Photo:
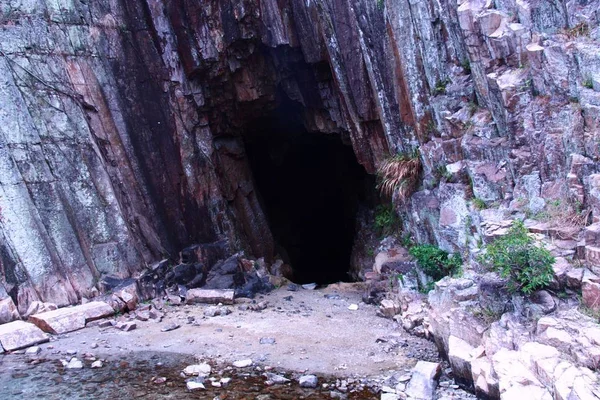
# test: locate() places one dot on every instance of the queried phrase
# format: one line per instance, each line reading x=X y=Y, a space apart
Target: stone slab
x=20 y=334
x=70 y=319
x=8 y=311
x=423 y=380
x=210 y=296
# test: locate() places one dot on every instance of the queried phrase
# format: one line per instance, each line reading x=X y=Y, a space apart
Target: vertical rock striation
x=121 y=122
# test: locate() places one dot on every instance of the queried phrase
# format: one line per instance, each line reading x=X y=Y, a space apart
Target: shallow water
x=132 y=376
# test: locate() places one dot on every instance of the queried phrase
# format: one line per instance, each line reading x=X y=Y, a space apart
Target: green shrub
x=479 y=204
x=466 y=65
x=516 y=257
x=434 y=261
x=440 y=86
x=386 y=219
x=588 y=83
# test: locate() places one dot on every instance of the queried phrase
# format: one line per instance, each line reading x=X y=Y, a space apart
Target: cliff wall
x=121 y=122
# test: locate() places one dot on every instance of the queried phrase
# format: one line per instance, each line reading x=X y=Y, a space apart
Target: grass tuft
x=399 y=174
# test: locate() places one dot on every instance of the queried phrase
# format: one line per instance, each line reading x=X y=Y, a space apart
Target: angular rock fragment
x=308 y=381
x=197 y=369
x=8 y=311
x=242 y=363
x=423 y=381
x=70 y=319
x=210 y=296
x=19 y=334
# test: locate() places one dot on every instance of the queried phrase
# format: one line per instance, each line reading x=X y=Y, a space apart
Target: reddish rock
x=38 y=307
x=8 y=311
x=20 y=334
x=146 y=169
x=590 y=292
x=573 y=278
x=70 y=319
x=129 y=294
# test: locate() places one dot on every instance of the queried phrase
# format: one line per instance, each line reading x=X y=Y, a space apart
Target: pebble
x=197 y=369
x=192 y=385
x=242 y=363
x=292 y=287
x=309 y=286
x=353 y=307
x=126 y=326
x=170 y=327
x=213 y=311
x=225 y=381
x=33 y=350
x=308 y=381
x=267 y=340
x=97 y=364
x=71 y=352
x=94 y=345
x=105 y=324
x=274 y=379
x=74 y=364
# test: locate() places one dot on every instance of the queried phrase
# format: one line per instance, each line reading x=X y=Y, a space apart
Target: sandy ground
x=312 y=333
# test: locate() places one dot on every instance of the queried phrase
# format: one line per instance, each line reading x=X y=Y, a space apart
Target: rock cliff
x=122 y=122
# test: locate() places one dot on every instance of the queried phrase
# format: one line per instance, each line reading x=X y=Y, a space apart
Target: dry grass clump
x=581 y=29
x=399 y=174
x=563 y=214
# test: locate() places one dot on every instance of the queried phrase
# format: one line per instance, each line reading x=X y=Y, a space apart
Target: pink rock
x=8 y=311
x=20 y=334
x=591 y=294
x=70 y=319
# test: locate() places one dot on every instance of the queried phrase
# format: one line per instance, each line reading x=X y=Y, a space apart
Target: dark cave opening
x=311 y=188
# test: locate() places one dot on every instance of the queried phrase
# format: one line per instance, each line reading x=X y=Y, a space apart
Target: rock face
x=510 y=355
x=122 y=122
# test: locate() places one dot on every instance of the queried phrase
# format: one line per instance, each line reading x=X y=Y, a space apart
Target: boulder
x=573 y=278
x=20 y=334
x=540 y=358
x=226 y=274
x=8 y=311
x=37 y=307
x=512 y=372
x=543 y=303
x=393 y=258
x=70 y=319
x=128 y=292
x=484 y=380
x=423 y=380
x=388 y=308
x=459 y=356
x=210 y=296
x=590 y=292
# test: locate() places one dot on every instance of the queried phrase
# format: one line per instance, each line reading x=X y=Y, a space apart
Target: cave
x=311 y=188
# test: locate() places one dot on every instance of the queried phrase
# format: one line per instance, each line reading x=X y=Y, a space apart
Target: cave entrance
x=311 y=188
